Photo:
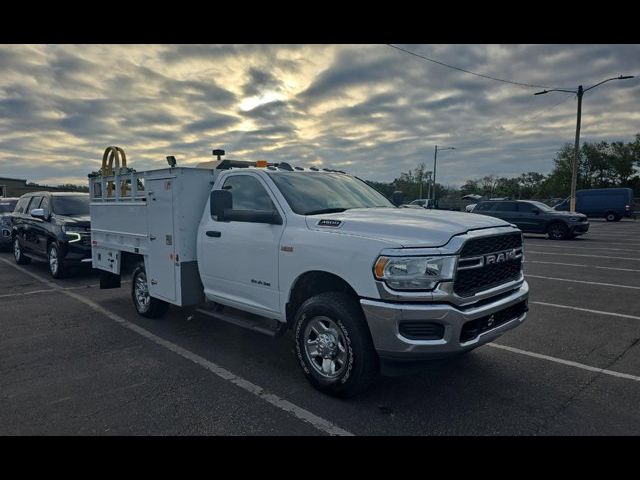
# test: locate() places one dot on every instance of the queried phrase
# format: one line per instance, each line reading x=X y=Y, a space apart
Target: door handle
x=211 y=233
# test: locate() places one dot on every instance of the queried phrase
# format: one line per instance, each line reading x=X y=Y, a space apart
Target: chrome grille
x=475 y=274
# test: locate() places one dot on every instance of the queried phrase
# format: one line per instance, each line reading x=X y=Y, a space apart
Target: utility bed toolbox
x=155 y=214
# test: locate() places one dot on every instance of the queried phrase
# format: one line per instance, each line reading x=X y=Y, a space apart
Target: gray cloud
x=368 y=109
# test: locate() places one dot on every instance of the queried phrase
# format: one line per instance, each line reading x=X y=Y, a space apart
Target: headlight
x=73 y=233
x=414 y=273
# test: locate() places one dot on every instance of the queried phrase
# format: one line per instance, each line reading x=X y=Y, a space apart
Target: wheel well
x=312 y=283
x=554 y=222
x=129 y=261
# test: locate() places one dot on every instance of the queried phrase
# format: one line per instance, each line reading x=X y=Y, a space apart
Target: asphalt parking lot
x=78 y=360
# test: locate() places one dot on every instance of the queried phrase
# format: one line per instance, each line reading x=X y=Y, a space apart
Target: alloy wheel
x=325 y=347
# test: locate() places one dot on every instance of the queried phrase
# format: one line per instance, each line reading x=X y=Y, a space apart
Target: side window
x=526 y=207
x=21 y=204
x=45 y=205
x=506 y=207
x=248 y=193
x=485 y=206
x=34 y=203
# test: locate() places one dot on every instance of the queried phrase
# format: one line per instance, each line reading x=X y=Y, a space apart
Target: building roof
x=13 y=179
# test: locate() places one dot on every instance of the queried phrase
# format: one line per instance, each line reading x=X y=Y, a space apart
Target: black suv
x=53 y=226
x=536 y=217
x=6 y=207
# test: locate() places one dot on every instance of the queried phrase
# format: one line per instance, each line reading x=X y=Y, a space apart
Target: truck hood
x=76 y=220
x=406 y=227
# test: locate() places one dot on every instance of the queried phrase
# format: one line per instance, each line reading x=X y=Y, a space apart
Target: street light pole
x=574 y=164
x=435 y=159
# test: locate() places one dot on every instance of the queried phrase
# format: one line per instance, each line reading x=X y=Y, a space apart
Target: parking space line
x=305 y=415
x=580 y=309
x=48 y=290
x=594 y=248
x=582 y=281
x=565 y=362
x=586 y=266
x=581 y=255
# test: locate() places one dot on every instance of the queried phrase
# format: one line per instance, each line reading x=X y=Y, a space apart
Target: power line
x=543 y=110
x=527 y=85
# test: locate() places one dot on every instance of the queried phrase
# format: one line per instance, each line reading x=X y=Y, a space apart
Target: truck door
x=238 y=261
x=160 y=263
x=32 y=227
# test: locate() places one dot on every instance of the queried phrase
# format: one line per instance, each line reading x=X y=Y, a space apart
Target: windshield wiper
x=326 y=210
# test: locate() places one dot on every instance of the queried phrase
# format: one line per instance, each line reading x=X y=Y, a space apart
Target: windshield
x=72 y=205
x=314 y=193
x=7 y=206
x=542 y=206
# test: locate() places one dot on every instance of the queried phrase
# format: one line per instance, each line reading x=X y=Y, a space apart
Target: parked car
x=6 y=207
x=423 y=202
x=536 y=217
x=609 y=203
x=52 y=226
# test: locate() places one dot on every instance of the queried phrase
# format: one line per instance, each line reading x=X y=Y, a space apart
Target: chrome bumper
x=384 y=319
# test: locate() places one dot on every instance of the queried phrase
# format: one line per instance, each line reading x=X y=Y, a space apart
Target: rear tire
x=334 y=345
x=17 y=253
x=558 y=231
x=611 y=217
x=145 y=304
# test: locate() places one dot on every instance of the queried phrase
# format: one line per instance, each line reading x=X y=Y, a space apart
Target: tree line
x=600 y=165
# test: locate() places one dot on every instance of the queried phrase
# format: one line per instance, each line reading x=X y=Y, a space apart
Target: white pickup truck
x=366 y=287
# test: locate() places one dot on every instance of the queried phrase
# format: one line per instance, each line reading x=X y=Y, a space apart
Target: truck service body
x=362 y=288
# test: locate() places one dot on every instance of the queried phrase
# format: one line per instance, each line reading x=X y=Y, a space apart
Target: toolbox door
x=160 y=262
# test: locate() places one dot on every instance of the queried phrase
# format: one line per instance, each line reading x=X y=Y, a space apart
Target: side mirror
x=220 y=201
x=38 y=213
x=536 y=211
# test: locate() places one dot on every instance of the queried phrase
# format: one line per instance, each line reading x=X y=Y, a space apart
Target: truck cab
x=365 y=286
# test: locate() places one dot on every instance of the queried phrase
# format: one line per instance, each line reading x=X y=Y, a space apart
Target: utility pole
x=435 y=159
x=576 y=155
x=574 y=166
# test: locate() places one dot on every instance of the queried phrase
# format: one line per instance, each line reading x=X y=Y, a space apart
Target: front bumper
x=579 y=228
x=384 y=319
x=76 y=253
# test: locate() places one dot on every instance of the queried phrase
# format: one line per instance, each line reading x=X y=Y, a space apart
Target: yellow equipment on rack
x=111 y=155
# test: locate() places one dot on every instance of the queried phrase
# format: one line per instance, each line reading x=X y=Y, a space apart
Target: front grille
x=421 y=330
x=474 y=280
x=495 y=243
x=473 y=328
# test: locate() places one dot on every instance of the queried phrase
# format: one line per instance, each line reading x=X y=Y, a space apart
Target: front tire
x=334 y=346
x=56 y=267
x=558 y=231
x=145 y=304
x=17 y=253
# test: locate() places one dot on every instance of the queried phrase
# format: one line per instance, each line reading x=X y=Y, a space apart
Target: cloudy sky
x=369 y=109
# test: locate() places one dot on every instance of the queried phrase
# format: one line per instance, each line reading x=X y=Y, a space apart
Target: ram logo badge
x=500 y=257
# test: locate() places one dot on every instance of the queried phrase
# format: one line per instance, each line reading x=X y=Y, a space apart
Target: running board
x=264 y=325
